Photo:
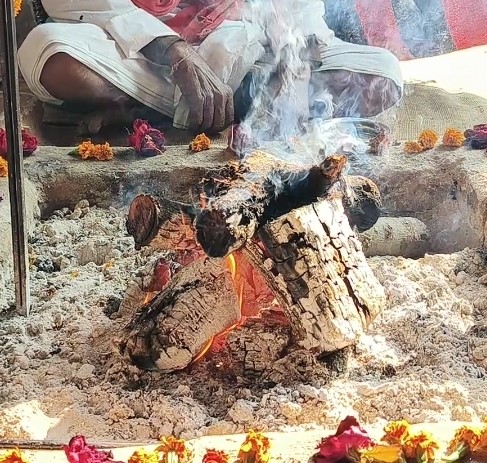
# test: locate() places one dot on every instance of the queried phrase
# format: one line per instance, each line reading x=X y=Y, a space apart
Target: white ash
x=423 y=359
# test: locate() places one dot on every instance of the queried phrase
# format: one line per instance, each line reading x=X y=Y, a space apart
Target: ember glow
x=231 y=263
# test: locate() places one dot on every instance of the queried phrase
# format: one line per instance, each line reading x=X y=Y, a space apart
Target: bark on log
x=396 y=236
x=242 y=199
x=162 y=223
x=176 y=325
x=314 y=264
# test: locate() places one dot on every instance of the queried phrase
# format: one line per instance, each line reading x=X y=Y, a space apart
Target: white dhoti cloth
x=107 y=36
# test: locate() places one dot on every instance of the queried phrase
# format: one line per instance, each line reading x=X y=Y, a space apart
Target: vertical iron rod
x=10 y=83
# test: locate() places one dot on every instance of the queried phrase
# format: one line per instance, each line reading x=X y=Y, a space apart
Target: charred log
x=256 y=191
x=161 y=223
x=315 y=266
x=171 y=329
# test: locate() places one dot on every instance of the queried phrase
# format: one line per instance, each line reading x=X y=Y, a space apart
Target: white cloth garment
x=107 y=36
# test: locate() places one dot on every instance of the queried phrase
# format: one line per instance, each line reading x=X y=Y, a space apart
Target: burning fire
x=231 y=263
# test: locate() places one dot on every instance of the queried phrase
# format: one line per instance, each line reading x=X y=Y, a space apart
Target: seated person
x=187 y=60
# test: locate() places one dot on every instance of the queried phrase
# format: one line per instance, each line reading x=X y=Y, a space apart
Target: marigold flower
x=413 y=147
x=17 y=6
x=200 y=143
x=467 y=436
x=427 y=139
x=396 y=432
x=144 y=456
x=3 y=167
x=255 y=449
x=215 y=456
x=453 y=138
x=88 y=150
x=173 y=450
x=420 y=445
x=13 y=456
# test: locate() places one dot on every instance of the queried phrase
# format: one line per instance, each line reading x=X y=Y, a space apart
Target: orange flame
x=232 y=265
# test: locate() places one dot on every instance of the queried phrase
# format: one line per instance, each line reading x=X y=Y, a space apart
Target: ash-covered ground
x=423 y=359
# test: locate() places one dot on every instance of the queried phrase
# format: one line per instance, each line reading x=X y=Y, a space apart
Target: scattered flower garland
x=350 y=443
x=146 y=140
x=452 y=138
x=200 y=143
x=88 y=150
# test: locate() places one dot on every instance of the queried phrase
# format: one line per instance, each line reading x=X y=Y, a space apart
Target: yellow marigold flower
x=379 y=454
x=453 y=138
x=255 y=449
x=13 y=456
x=3 y=167
x=396 y=432
x=17 y=6
x=88 y=150
x=465 y=436
x=173 y=450
x=144 y=456
x=420 y=444
x=427 y=139
x=215 y=456
x=413 y=147
x=200 y=143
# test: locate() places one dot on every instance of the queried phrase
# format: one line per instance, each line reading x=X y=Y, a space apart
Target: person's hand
x=210 y=101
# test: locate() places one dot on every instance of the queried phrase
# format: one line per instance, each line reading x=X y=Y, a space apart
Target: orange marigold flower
x=427 y=139
x=88 y=150
x=3 y=167
x=17 y=6
x=255 y=449
x=144 y=456
x=453 y=138
x=13 y=456
x=413 y=147
x=215 y=456
x=200 y=143
x=465 y=436
x=173 y=450
x=396 y=432
x=421 y=444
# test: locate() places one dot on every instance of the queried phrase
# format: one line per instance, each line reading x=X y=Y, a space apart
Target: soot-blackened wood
x=161 y=223
x=260 y=188
x=169 y=331
x=314 y=264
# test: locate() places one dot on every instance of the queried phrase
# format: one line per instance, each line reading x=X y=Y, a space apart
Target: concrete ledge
x=64 y=180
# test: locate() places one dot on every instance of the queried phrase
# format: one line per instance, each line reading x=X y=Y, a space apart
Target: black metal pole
x=10 y=83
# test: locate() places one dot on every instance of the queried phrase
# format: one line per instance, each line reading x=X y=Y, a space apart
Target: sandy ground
x=461 y=71
x=424 y=359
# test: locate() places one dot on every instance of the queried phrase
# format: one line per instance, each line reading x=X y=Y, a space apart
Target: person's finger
x=189 y=84
x=229 y=111
x=219 y=102
x=208 y=111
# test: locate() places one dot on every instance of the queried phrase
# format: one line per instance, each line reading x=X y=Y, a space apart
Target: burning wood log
x=293 y=227
x=173 y=328
x=243 y=199
x=257 y=190
x=314 y=264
